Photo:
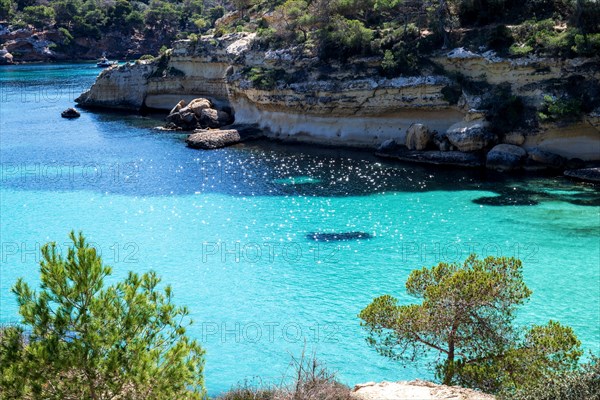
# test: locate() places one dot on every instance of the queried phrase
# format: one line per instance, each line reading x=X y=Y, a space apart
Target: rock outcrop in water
x=292 y=98
x=70 y=113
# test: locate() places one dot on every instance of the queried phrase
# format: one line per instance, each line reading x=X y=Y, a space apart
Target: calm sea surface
x=227 y=228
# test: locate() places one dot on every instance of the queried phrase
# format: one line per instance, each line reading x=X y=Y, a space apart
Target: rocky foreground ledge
x=415 y=390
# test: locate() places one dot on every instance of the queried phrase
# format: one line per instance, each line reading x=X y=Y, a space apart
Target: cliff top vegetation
x=398 y=32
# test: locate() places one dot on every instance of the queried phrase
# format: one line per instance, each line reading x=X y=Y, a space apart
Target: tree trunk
x=449 y=367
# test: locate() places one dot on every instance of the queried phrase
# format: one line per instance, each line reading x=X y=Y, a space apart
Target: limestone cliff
x=298 y=98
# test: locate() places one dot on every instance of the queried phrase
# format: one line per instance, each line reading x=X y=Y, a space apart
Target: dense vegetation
x=397 y=31
x=465 y=324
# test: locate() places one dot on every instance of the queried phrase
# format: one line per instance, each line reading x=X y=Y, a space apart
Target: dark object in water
x=70 y=113
x=338 y=236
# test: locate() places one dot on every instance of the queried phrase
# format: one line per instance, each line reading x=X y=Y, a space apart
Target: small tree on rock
x=466 y=318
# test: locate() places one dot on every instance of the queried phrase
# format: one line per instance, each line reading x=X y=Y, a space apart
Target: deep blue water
x=227 y=228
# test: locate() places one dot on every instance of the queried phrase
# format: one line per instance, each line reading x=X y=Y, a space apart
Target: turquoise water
x=227 y=228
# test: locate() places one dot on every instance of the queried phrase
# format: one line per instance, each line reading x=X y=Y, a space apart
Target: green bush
x=581 y=384
x=264 y=78
x=82 y=339
x=67 y=37
x=345 y=38
x=39 y=16
x=587 y=45
x=560 y=109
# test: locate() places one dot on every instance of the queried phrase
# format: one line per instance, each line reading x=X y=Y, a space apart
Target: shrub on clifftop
x=85 y=340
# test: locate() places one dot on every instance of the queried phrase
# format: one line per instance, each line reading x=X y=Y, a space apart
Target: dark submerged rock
x=337 y=236
x=585 y=174
x=456 y=158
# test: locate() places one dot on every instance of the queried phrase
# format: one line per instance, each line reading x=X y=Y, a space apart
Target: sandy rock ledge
x=415 y=390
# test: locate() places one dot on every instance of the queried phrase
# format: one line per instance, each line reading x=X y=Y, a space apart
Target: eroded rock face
x=345 y=106
x=123 y=87
x=470 y=135
x=415 y=390
x=505 y=157
x=418 y=137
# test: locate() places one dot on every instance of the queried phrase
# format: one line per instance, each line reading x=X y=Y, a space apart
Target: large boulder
x=505 y=157
x=209 y=117
x=210 y=139
x=199 y=113
x=418 y=137
x=178 y=107
x=546 y=158
x=197 y=105
x=470 y=135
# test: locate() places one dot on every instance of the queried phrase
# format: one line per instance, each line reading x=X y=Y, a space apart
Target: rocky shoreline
x=28 y=45
x=287 y=97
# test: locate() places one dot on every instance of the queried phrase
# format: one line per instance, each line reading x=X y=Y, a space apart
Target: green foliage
x=580 y=384
x=345 y=38
x=560 y=109
x=389 y=65
x=39 y=16
x=466 y=318
x=67 y=37
x=148 y=57
x=264 y=78
x=85 y=339
x=520 y=50
x=7 y=9
x=543 y=353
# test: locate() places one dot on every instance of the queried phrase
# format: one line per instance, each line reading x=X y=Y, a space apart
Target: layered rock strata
x=294 y=97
